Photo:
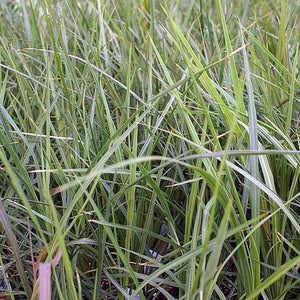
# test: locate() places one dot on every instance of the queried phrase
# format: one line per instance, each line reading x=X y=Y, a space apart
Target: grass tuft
x=149 y=150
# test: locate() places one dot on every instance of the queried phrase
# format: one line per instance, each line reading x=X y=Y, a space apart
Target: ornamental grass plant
x=149 y=149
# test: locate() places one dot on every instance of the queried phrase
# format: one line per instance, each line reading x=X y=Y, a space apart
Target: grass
x=149 y=150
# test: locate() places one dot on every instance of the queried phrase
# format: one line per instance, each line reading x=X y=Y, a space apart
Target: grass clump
x=149 y=151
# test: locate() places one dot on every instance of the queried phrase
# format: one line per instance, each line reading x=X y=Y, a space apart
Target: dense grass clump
x=149 y=150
